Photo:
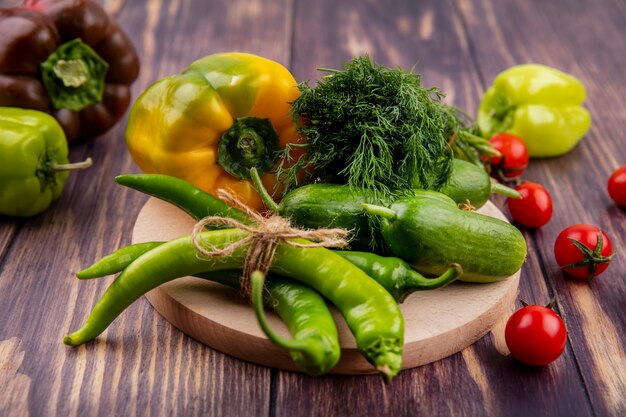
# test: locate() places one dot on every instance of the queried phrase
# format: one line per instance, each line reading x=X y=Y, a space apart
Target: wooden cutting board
x=438 y=323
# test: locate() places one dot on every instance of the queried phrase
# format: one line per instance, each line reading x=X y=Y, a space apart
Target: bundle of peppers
x=222 y=124
x=68 y=58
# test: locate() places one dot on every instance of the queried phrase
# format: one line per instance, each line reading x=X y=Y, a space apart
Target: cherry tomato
x=534 y=208
x=514 y=159
x=583 y=251
x=617 y=186
x=535 y=335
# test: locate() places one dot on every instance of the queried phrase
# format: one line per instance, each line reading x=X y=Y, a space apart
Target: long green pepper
x=315 y=346
x=395 y=275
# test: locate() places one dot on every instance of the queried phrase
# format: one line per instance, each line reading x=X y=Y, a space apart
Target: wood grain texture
x=577 y=181
x=8 y=230
x=144 y=366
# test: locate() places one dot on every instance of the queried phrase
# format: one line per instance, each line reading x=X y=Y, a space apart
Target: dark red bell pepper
x=68 y=58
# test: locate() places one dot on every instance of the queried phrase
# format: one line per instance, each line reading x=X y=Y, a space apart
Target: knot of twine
x=265 y=235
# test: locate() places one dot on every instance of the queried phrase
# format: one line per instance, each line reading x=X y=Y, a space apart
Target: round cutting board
x=438 y=322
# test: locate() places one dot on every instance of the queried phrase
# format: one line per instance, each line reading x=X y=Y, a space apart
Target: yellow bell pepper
x=210 y=124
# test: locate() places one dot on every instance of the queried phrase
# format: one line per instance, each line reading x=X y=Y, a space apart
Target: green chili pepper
x=117 y=261
x=184 y=195
x=302 y=309
x=370 y=312
x=35 y=165
x=540 y=104
x=292 y=301
x=158 y=266
x=396 y=275
x=315 y=344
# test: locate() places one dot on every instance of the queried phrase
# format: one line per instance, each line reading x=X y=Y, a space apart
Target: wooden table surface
x=144 y=366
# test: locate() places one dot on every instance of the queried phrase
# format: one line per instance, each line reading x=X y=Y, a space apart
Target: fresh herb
x=376 y=128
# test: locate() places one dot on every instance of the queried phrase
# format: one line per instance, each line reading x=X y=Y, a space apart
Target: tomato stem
x=591 y=258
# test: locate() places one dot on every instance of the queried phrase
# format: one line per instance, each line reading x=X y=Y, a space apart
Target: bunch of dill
x=375 y=128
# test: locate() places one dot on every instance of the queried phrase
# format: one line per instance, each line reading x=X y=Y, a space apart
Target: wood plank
x=433 y=35
x=8 y=230
x=142 y=365
x=580 y=39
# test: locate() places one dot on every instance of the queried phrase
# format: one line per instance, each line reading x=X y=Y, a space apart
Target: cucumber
x=431 y=233
x=333 y=205
x=468 y=183
x=322 y=205
x=471 y=184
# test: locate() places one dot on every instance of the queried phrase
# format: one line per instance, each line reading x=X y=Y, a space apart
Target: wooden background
x=143 y=366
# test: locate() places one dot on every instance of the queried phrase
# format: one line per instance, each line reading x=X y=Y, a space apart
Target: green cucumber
x=431 y=233
x=322 y=205
x=471 y=184
x=333 y=205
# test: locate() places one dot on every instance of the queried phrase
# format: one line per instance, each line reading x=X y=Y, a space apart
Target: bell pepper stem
x=72 y=166
x=74 y=76
x=73 y=72
x=249 y=142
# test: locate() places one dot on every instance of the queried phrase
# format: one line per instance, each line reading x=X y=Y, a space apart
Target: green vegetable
x=34 y=167
x=183 y=194
x=333 y=205
x=375 y=128
x=540 y=104
x=430 y=233
x=117 y=261
x=321 y=205
x=315 y=344
x=395 y=275
x=370 y=312
x=74 y=76
x=471 y=184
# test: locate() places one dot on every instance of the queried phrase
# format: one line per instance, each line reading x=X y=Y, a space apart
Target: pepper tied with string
x=265 y=235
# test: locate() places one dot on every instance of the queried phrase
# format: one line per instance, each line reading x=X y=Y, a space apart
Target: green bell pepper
x=33 y=161
x=540 y=104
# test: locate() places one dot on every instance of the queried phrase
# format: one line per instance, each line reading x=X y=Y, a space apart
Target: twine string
x=265 y=235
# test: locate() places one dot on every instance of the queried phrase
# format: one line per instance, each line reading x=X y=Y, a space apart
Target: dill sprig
x=374 y=128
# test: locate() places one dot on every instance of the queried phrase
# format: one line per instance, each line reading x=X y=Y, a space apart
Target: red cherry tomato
x=617 y=186
x=534 y=208
x=583 y=251
x=535 y=335
x=514 y=159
